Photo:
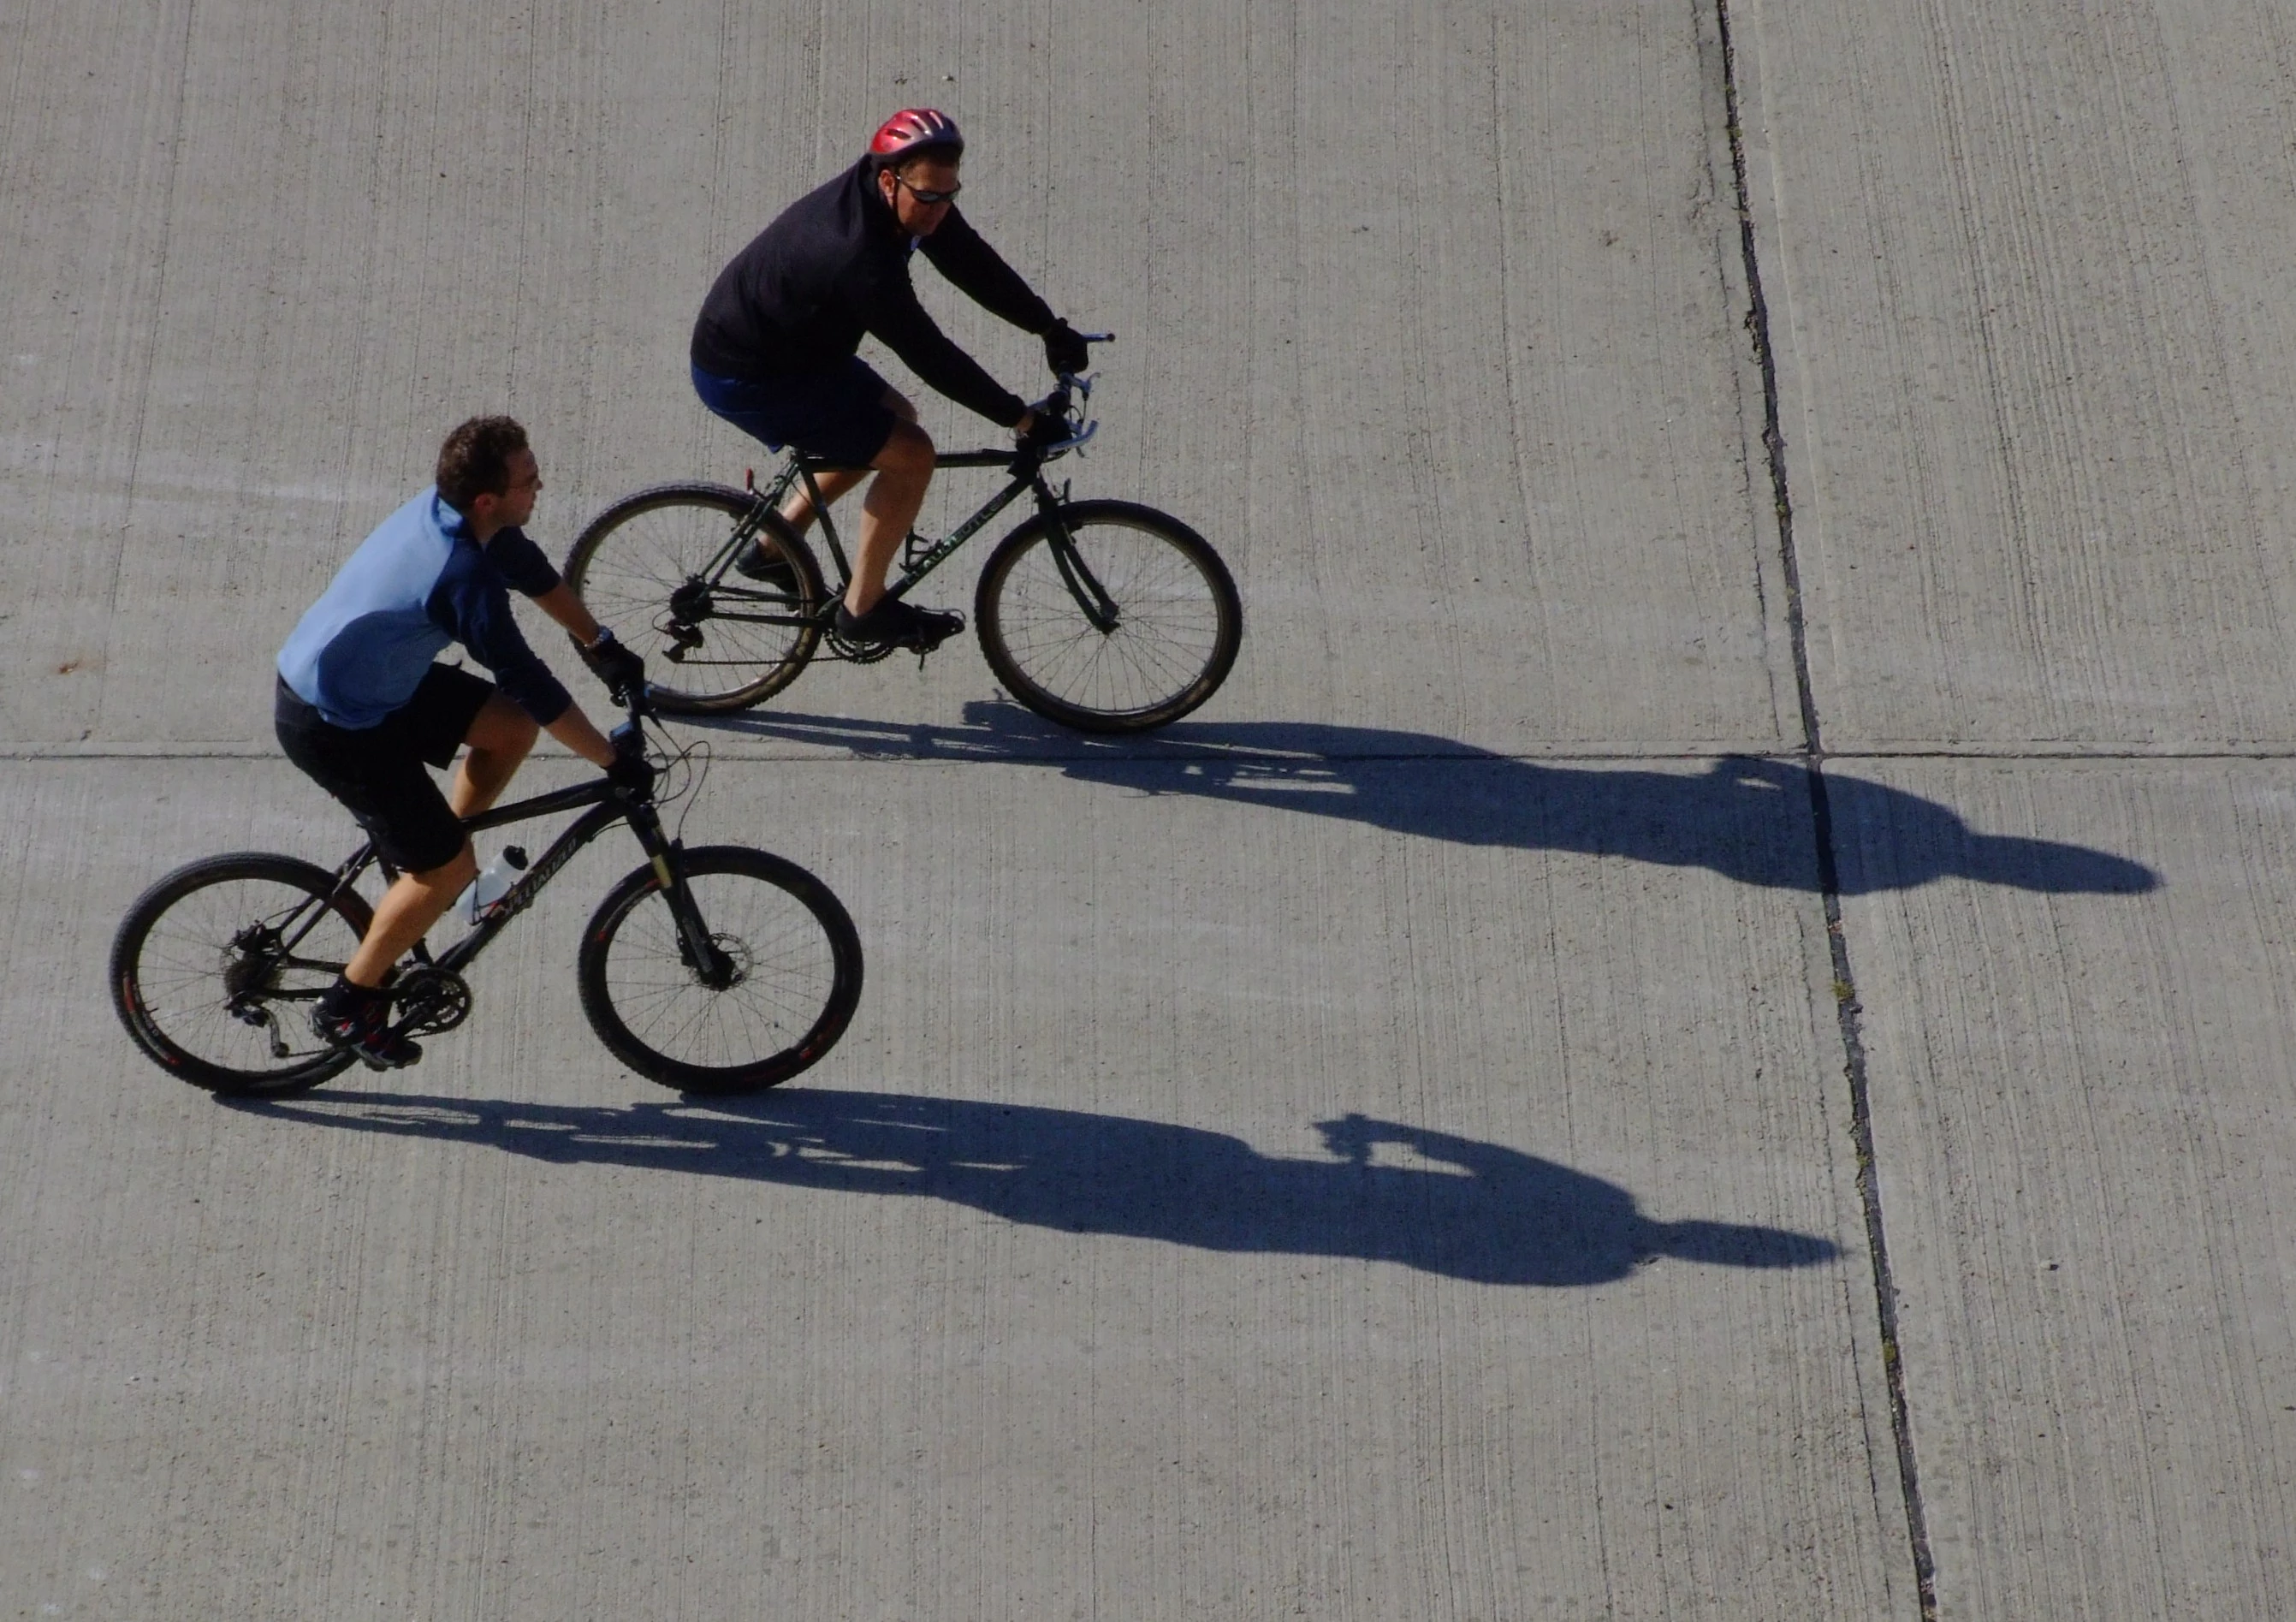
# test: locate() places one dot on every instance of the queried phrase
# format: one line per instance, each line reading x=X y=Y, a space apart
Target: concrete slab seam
x=1847 y=1008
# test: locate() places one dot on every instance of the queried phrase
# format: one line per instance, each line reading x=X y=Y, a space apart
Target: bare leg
x=499 y=739
x=797 y=506
x=405 y=916
x=904 y=468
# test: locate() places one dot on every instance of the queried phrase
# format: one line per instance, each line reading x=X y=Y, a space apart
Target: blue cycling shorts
x=838 y=413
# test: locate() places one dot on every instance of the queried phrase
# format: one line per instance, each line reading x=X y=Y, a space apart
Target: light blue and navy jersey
x=414 y=585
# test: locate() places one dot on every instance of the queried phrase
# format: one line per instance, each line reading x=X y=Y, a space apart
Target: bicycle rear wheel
x=784 y=987
x=216 y=967
x=643 y=565
x=1170 y=619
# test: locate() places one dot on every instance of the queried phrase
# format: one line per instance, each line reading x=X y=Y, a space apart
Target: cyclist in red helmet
x=774 y=348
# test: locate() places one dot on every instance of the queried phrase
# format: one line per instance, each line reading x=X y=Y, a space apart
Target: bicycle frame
x=919 y=555
x=607 y=806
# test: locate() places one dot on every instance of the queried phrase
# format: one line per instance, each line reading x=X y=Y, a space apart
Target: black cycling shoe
x=353 y=1017
x=900 y=624
x=768 y=568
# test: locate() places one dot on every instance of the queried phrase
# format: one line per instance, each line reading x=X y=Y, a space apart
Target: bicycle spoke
x=651 y=567
x=213 y=949
x=786 y=975
x=1169 y=627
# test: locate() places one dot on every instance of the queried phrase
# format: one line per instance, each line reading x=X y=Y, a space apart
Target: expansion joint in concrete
x=1846 y=1007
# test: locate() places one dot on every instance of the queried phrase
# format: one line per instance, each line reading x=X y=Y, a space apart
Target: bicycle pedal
x=927 y=645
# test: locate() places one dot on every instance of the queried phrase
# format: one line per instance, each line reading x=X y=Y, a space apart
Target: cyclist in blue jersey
x=362 y=708
x=772 y=350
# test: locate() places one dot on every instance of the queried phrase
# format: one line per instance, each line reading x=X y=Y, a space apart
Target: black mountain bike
x=1106 y=616
x=716 y=970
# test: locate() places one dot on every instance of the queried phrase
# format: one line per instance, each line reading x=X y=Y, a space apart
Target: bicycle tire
x=180 y=957
x=631 y=559
x=797 y=948
x=1180 y=621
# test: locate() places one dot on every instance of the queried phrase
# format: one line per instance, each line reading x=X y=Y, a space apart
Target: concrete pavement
x=1464 y=1126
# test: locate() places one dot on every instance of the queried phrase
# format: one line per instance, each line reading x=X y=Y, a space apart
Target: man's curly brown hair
x=475 y=459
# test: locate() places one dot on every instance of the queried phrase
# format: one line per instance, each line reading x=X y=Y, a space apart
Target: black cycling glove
x=632 y=774
x=1065 y=349
x=622 y=670
x=1049 y=429
x=631 y=771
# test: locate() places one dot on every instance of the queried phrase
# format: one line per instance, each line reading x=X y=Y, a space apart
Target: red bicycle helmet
x=913 y=128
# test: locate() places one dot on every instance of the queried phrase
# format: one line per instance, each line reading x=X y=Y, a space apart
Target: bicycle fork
x=697 y=948
x=1091 y=596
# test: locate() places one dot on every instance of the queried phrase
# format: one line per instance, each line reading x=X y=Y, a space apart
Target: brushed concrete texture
x=2029 y=280
x=2082 y=1107
x=1428 y=318
x=1225 y=1204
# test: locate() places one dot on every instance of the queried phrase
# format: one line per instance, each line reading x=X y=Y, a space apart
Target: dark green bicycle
x=1106 y=616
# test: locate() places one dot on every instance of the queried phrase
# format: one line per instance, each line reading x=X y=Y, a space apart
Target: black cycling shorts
x=378 y=771
x=839 y=415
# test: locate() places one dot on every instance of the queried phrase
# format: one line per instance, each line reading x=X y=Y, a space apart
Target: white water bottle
x=492 y=883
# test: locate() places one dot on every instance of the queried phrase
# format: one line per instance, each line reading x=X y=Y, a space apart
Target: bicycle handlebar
x=1074 y=390
x=630 y=739
x=1071 y=379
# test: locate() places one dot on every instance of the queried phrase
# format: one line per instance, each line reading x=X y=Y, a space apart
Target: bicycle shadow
x=1746 y=817
x=1472 y=1211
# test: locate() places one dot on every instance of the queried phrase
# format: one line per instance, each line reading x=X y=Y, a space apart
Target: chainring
x=859 y=652
x=429 y=999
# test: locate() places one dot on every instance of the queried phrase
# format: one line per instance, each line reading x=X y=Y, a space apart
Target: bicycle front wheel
x=1131 y=629
x=714 y=638
x=781 y=985
x=216 y=968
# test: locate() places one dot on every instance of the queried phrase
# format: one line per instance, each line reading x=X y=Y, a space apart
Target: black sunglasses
x=929 y=198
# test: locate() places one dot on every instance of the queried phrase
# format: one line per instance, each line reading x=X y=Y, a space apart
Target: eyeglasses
x=929 y=198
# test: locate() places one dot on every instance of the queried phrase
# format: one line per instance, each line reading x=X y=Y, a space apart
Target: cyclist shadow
x=1746 y=817
x=1445 y=1204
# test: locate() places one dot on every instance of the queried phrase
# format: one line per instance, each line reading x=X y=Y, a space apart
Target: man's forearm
x=561 y=605
x=573 y=728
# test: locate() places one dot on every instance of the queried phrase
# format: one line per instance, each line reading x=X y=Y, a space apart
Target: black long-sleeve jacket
x=835 y=264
